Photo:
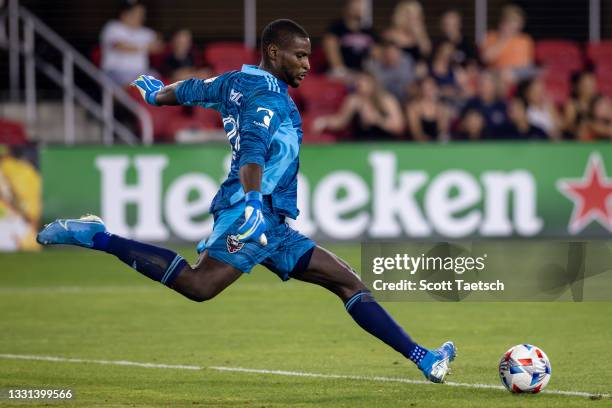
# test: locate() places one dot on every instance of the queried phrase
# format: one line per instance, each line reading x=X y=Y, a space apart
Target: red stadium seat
x=208 y=118
x=227 y=56
x=156 y=60
x=603 y=73
x=318 y=60
x=557 y=85
x=161 y=116
x=600 y=52
x=321 y=95
x=559 y=55
x=96 y=55
x=12 y=132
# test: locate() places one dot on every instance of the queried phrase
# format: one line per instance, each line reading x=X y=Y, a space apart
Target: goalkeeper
x=263 y=126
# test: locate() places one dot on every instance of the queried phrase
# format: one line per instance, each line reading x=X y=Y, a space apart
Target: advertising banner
x=350 y=192
x=20 y=198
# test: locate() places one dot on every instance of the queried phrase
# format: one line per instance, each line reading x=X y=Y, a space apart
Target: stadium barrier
x=349 y=192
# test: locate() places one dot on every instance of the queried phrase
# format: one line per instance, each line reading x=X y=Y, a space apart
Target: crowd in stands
x=403 y=83
x=408 y=86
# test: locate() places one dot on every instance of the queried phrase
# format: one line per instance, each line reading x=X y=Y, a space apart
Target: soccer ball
x=524 y=368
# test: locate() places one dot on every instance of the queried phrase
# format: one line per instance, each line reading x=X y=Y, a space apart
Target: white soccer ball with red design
x=525 y=368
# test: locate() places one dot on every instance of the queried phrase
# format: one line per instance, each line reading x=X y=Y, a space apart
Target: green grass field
x=84 y=305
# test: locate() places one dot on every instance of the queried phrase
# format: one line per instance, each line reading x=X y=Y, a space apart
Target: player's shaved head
x=285 y=48
x=281 y=33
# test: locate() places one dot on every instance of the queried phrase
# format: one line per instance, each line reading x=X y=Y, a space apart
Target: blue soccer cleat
x=436 y=363
x=72 y=232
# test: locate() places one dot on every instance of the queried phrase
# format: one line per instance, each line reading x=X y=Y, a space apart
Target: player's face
x=294 y=62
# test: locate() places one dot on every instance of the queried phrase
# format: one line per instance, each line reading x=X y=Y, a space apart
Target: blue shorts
x=285 y=245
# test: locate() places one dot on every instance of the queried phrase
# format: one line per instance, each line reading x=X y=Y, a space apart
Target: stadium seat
x=600 y=52
x=96 y=55
x=603 y=73
x=208 y=118
x=227 y=56
x=559 y=55
x=161 y=116
x=12 y=132
x=321 y=95
x=156 y=60
x=318 y=61
x=557 y=85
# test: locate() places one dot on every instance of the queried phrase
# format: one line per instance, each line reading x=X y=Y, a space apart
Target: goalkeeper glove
x=254 y=225
x=148 y=87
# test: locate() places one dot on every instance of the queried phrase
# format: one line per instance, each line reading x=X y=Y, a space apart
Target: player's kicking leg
x=327 y=270
x=199 y=283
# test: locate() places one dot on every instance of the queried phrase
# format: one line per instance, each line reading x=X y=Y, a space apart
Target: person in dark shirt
x=348 y=42
x=470 y=127
x=451 y=27
x=576 y=109
x=521 y=128
x=491 y=106
x=371 y=113
x=408 y=30
x=181 y=61
x=428 y=118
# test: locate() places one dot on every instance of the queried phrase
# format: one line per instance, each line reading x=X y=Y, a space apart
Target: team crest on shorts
x=233 y=244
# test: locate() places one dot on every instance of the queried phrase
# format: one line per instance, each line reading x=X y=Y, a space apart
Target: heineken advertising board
x=349 y=191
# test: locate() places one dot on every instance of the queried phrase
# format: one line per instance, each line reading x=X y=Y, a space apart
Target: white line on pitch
x=74 y=290
x=391 y=379
x=283 y=373
x=106 y=362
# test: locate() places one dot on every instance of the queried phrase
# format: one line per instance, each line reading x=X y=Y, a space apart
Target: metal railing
x=64 y=78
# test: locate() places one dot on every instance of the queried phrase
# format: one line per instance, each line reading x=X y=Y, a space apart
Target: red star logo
x=591 y=195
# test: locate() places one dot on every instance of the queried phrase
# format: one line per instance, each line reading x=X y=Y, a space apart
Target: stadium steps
x=50 y=122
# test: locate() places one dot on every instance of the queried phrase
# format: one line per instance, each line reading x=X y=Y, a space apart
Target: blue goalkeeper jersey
x=263 y=126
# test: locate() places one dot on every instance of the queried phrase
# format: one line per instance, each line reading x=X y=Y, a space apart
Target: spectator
x=521 y=127
x=490 y=105
x=598 y=125
x=541 y=111
x=348 y=42
x=428 y=118
x=576 y=110
x=126 y=44
x=408 y=30
x=181 y=61
x=449 y=77
x=393 y=70
x=451 y=25
x=371 y=112
x=471 y=126
x=509 y=49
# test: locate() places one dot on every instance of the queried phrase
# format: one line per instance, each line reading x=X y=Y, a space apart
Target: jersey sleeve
x=260 y=117
x=204 y=92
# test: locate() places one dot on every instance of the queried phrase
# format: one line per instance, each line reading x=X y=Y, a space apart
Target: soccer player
x=264 y=130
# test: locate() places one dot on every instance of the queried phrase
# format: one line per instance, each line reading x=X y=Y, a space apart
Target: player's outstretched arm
x=154 y=92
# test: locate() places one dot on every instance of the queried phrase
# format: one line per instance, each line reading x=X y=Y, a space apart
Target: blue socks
x=375 y=320
x=159 y=264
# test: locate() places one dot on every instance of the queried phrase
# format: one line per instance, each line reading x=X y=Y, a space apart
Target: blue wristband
x=254 y=197
x=151 y=98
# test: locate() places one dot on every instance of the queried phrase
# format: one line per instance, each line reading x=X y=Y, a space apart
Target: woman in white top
x=541 y=111
x=127 y=43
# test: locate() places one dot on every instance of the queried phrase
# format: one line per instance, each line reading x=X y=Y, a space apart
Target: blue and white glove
x=254 y=227
x=148 y=87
